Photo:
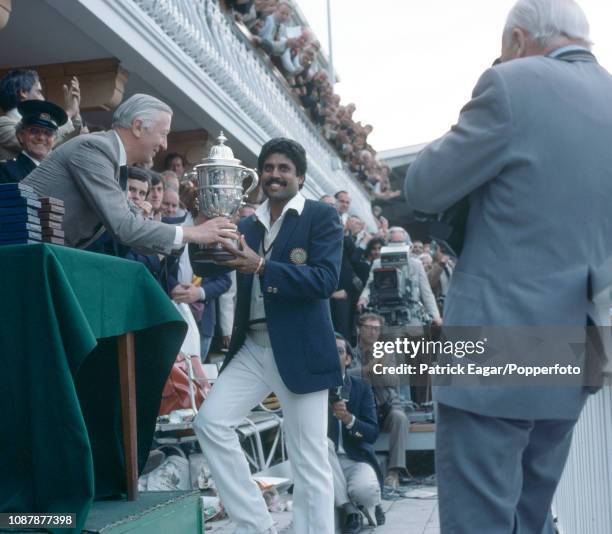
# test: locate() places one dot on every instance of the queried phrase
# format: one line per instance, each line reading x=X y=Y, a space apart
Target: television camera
x=392 y=294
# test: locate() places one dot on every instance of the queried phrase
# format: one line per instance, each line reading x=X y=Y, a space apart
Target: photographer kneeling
x=352 y=431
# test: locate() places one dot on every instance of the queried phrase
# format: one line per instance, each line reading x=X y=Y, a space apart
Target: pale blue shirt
x=568 y=48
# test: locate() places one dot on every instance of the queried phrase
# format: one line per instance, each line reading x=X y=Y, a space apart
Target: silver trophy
x=221 y=193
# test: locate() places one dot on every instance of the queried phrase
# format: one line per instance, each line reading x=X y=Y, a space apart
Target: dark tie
x=123 y=177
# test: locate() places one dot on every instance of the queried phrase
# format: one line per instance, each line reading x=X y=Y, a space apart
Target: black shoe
x=352 y=524
x=380 y=515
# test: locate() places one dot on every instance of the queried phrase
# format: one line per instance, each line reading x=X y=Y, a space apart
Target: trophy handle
x=254 y=182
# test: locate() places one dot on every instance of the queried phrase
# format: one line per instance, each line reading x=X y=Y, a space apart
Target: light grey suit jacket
x=84 y=173
x=532 y=149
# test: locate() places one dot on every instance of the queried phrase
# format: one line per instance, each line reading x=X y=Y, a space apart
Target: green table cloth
x=61 y=311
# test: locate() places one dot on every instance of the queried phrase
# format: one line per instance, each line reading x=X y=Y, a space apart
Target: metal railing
x=205 y=33
x=583 y=503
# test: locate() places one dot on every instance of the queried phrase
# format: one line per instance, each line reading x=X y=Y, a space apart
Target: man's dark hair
x=347 y=345
x=12 y=84
x=372 y=243
x=371 y=317
x=287 y=147
x=338 y=193
x=142 y=175
x=156 y=179
x=173 y=155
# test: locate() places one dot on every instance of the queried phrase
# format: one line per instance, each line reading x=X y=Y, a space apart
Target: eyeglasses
x=370 y=327
x=45 y=132
x=342 y=352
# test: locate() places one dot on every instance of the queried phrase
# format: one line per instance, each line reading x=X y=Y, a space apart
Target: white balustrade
x=205 y=34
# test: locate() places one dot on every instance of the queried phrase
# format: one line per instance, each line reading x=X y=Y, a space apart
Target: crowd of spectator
x=294 y=51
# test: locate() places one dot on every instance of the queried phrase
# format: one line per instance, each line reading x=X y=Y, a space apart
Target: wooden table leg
x=127 y=380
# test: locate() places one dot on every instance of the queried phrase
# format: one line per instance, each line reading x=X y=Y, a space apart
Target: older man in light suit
x=85 y=174
x=532 y=151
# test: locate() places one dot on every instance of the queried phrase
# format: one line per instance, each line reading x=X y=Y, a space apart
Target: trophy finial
x=221 y=150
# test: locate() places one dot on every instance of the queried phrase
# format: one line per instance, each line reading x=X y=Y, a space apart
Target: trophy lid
x=221 y=153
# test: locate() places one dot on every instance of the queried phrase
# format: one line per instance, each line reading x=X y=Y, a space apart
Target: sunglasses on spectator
x=34 y=130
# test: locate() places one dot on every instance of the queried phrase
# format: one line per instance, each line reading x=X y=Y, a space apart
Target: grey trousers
x=354 y=482
x=498 y=476
x=398 y=426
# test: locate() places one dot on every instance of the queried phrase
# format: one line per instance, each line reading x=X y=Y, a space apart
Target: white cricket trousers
x=248 y=379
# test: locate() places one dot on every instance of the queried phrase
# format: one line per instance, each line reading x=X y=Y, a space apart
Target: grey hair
x=546 y=20
x=139 y=106
x=170 y=175
x=396 y=229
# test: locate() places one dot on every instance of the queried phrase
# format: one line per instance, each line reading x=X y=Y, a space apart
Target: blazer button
x=275 y=290
x=270 y=290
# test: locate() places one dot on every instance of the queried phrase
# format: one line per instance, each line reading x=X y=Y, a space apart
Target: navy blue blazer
x=358 y=442
x=16 y=169
x=296 y=296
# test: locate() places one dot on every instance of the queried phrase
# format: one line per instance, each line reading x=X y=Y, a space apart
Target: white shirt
x=178 y=235
x=263 y=216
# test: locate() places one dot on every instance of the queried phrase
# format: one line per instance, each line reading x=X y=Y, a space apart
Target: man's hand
x=367 y=237
x=145 y=207
x=247 y=260
x=186 y=293
x=226 y=341
x=72 y=98
x=341 y=413
x=437 y=322
x=341 y=294
x=217 y=230
x=361 y=304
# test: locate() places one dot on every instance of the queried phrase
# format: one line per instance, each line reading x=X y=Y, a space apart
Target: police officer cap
x=42 y=113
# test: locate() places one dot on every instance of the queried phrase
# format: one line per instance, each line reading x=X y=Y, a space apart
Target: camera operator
x=406 y=300
x=421 y=295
